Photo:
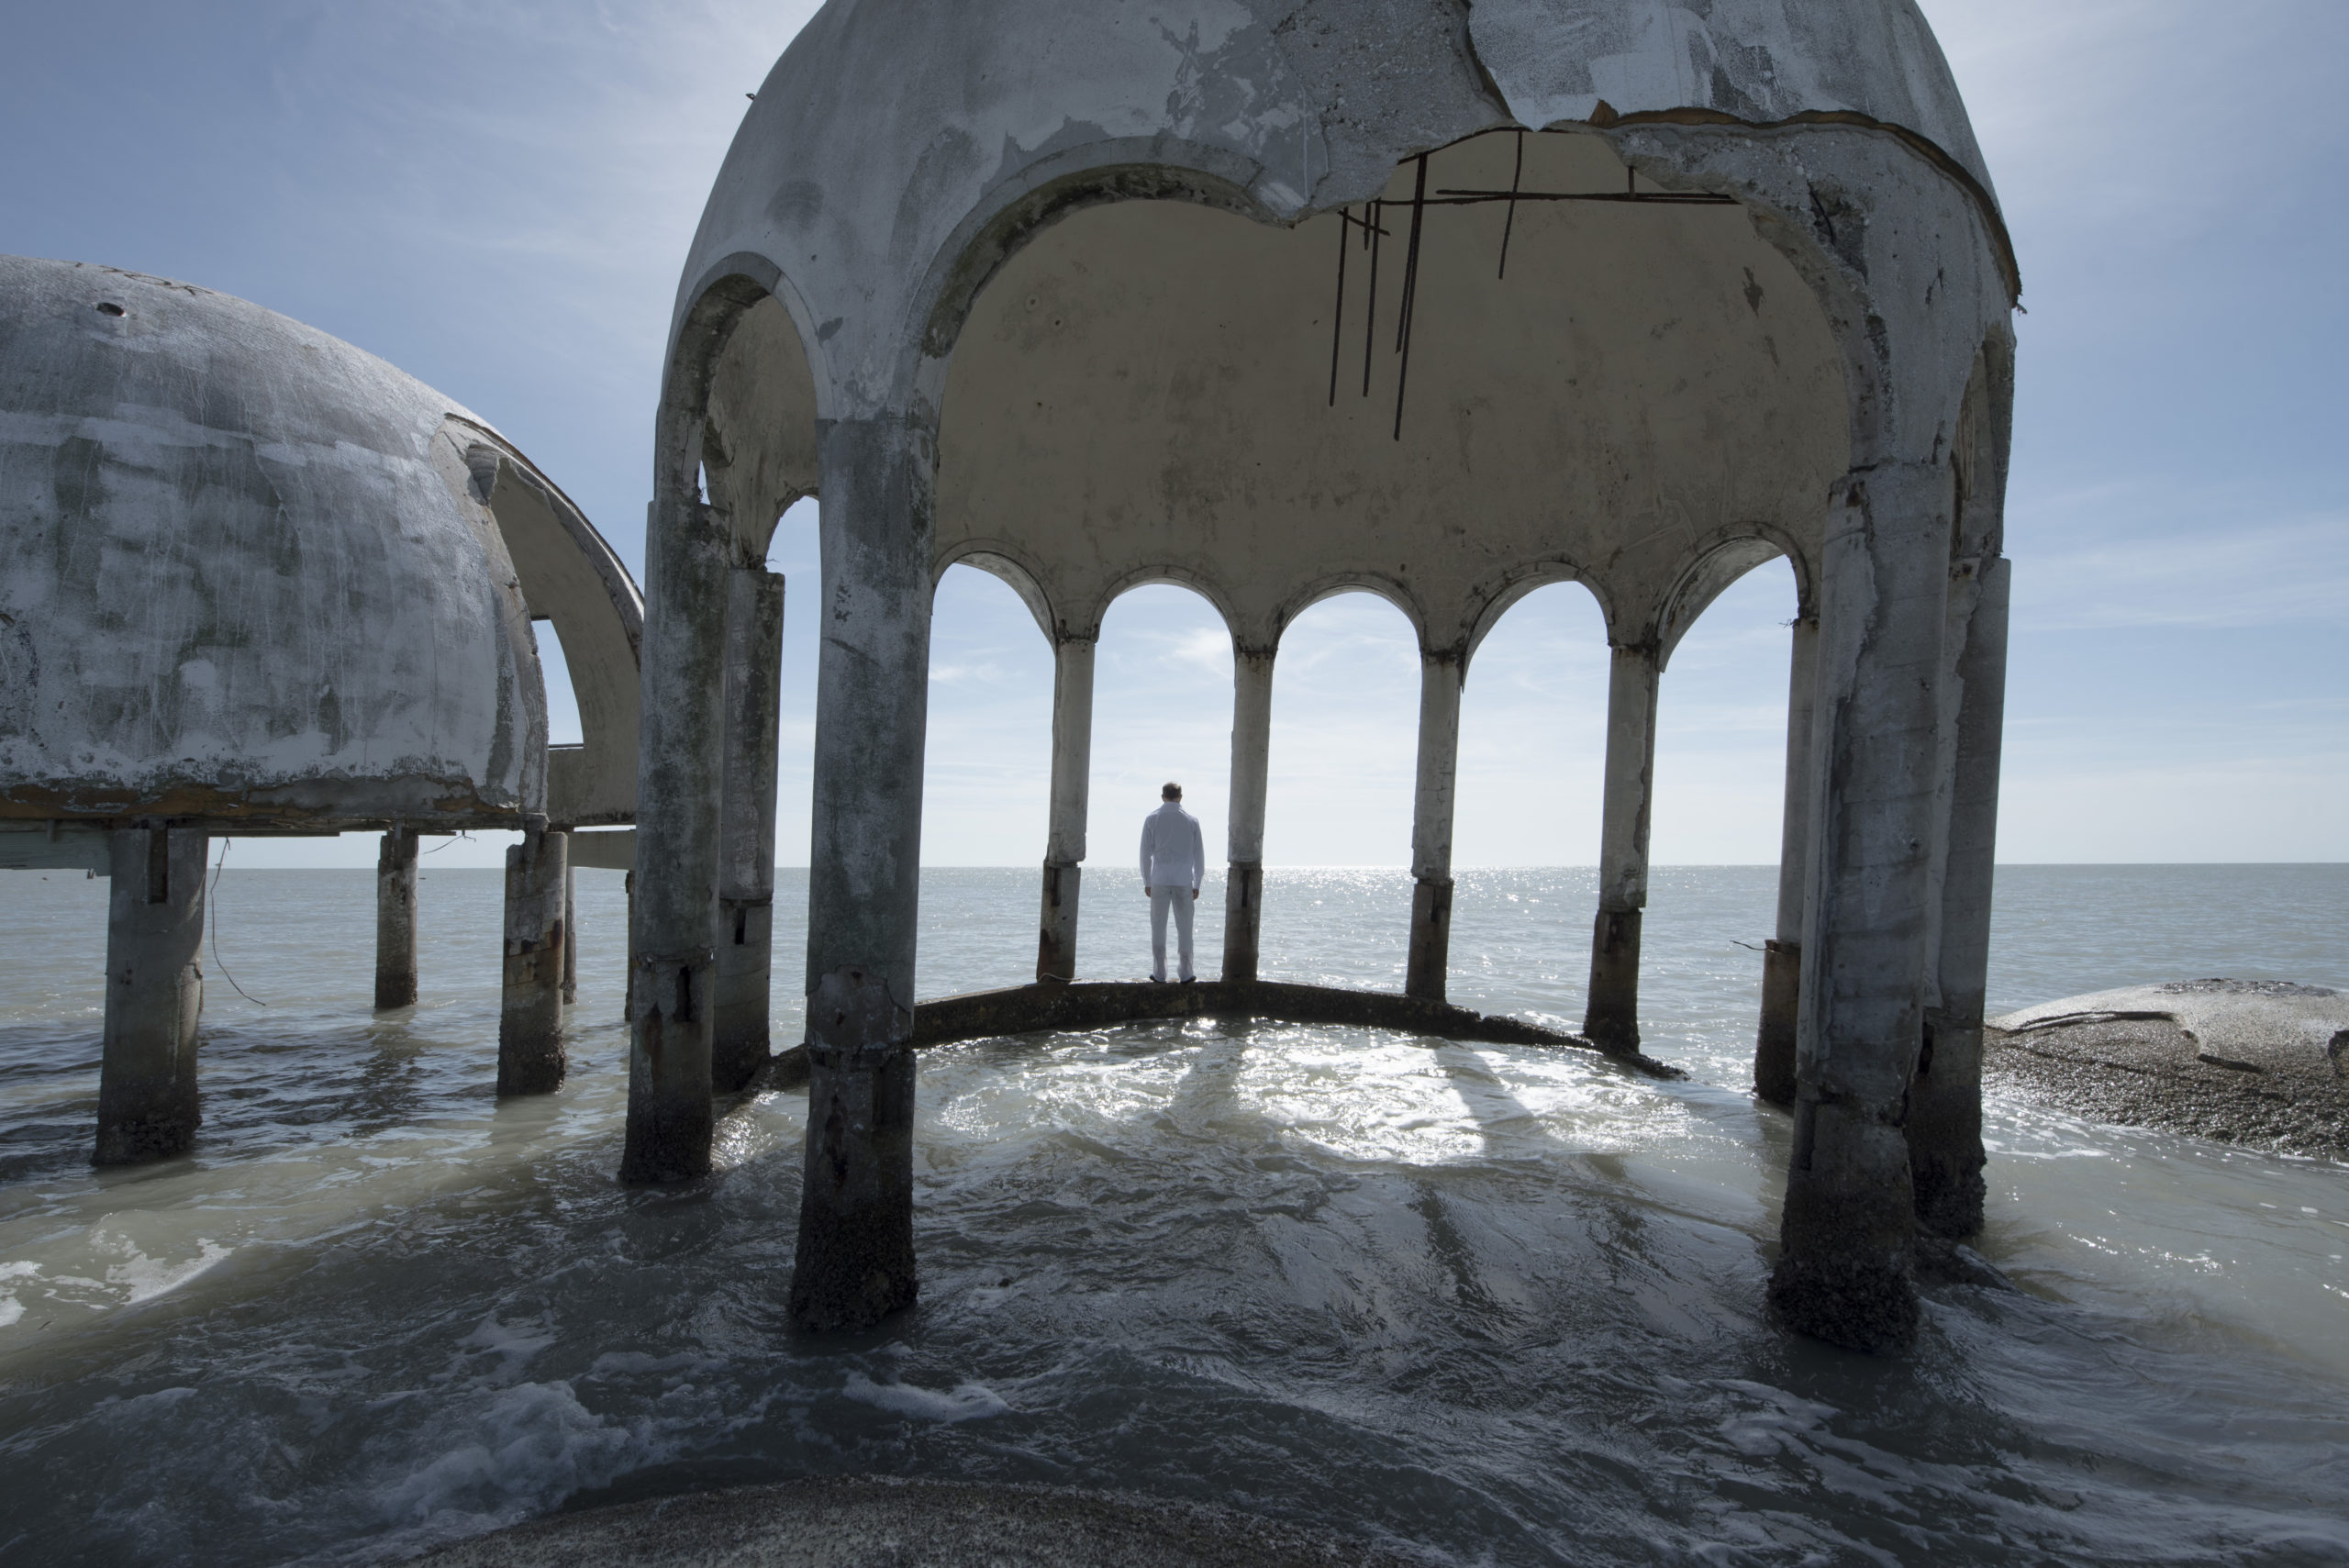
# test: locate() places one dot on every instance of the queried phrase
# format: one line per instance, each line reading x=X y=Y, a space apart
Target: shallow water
x=1498 y=1303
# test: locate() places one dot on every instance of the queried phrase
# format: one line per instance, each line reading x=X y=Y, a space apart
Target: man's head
x=1171 y=792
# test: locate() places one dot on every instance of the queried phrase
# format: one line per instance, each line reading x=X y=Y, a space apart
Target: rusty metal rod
x=1411 y=292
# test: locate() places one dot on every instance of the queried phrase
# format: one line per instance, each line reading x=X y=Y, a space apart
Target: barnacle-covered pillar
x=147 y=1103
x=738 y=1042
x=396 y=920
x=1774 y=1045
x=1612 y=1014
x=1432 y=810
x=1251 y=751
x=856 y=1257
x=1064 y=839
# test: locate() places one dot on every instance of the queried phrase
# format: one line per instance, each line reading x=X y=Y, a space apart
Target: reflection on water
x=1498 y=1302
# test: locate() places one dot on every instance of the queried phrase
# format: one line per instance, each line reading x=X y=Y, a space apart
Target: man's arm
x=1198 y=858
x=1147 y=823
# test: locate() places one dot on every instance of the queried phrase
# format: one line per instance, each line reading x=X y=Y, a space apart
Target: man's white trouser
x=1179 y=899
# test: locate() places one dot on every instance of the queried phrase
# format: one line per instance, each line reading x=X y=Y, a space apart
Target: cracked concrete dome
x=252 y=577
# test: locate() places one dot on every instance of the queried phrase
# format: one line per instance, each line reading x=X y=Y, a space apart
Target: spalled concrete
x=531 y=1058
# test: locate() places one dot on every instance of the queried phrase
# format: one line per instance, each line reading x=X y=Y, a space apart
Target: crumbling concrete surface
x=885 y=1523
x=2256 y=1062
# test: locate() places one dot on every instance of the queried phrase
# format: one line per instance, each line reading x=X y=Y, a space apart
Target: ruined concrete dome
x=250 y=575
x=890 y=125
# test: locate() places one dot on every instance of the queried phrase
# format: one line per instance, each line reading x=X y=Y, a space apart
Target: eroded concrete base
x=885 y=1522
x=1097 y=1004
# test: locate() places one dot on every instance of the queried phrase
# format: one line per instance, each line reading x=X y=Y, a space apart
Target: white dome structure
x=1439 y=301
x=254 y=581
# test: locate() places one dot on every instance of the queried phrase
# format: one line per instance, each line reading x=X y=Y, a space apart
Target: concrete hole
x=108 y=307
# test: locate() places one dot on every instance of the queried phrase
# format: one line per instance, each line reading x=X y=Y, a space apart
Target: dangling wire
x=212 y=908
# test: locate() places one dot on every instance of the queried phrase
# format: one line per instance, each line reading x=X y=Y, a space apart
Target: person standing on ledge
x=1174 y=858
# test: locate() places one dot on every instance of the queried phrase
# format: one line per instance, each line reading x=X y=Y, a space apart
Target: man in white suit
x=1174 y=859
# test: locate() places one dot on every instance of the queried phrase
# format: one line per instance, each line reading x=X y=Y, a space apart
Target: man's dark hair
x=1171 y=792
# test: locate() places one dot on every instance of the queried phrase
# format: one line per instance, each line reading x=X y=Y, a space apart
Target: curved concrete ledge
x=883 y=1522
x=2262 y=1064
x=1095 y=1005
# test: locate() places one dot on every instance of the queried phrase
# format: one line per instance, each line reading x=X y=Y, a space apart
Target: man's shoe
x=1191 y=979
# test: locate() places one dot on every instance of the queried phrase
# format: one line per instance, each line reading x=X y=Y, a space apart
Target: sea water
x=1504 y=1305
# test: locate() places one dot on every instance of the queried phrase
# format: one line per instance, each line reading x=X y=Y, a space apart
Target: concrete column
x=856 y=1257
x=1441 y=675
x=1611 y=1014
x=1251 y=751
x=1064 y=839
x=1945 y=1126
x=529 y=1016
x=147 y=1105
x=680 y=766
x=395 y=920
x=739 y=1036
x=627 y=1001
x=1842 y=1272
x=1774 y=1045
x=570 y=925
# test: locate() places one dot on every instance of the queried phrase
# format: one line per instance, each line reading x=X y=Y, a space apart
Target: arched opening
x=1340 y=794
x=1162 y=712
x=1532 y=749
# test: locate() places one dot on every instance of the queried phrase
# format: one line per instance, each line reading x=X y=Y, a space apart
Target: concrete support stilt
x=680 y=768
x=628 y=998
x=739 y=1032
x=1441 y=675
x=570 y=925
x=147 y=1104
x=1842 y=1272
x=1611 y=1014
x=1064 y=838
x=1252 y=752
x=1944 y=1125
x=856 y=1258
x=529 y=1018
x=1774 y=1045
x=395 y=920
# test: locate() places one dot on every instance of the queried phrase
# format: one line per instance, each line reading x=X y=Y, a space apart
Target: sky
x=497 y=197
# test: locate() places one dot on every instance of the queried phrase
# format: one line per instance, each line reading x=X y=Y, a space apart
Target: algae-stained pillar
x=739 y=1032
x=1251 y=751
x=856 y=1257
x=570 y=925
x=1944 y=1125
x=529 y=1018
x=1843 y=1273
x=1612 y=1014
x=1441 y=675
x=1773 y=1045
x=1064 y=838
x=396 y=920
x=680 y=766
x=146 y=1102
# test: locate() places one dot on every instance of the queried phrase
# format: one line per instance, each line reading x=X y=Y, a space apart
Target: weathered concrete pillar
x=570 y=925
x=627 y=1000
x=147 y=1104
x=739 y=1034
x=395 y=920
x=1251 y=754
x=1774 y=1045
x=1842 y=1272
x=1611 y=1014
x=680 y=766
x=1441 y=675
x=1064 y=838
x=529 y=1016
x=856 y=1257
x=1944 y=1125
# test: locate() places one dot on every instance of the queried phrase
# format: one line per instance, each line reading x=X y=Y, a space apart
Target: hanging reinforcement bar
x=1410 y=291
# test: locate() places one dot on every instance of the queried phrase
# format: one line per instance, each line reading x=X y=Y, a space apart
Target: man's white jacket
x=1173 y=854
